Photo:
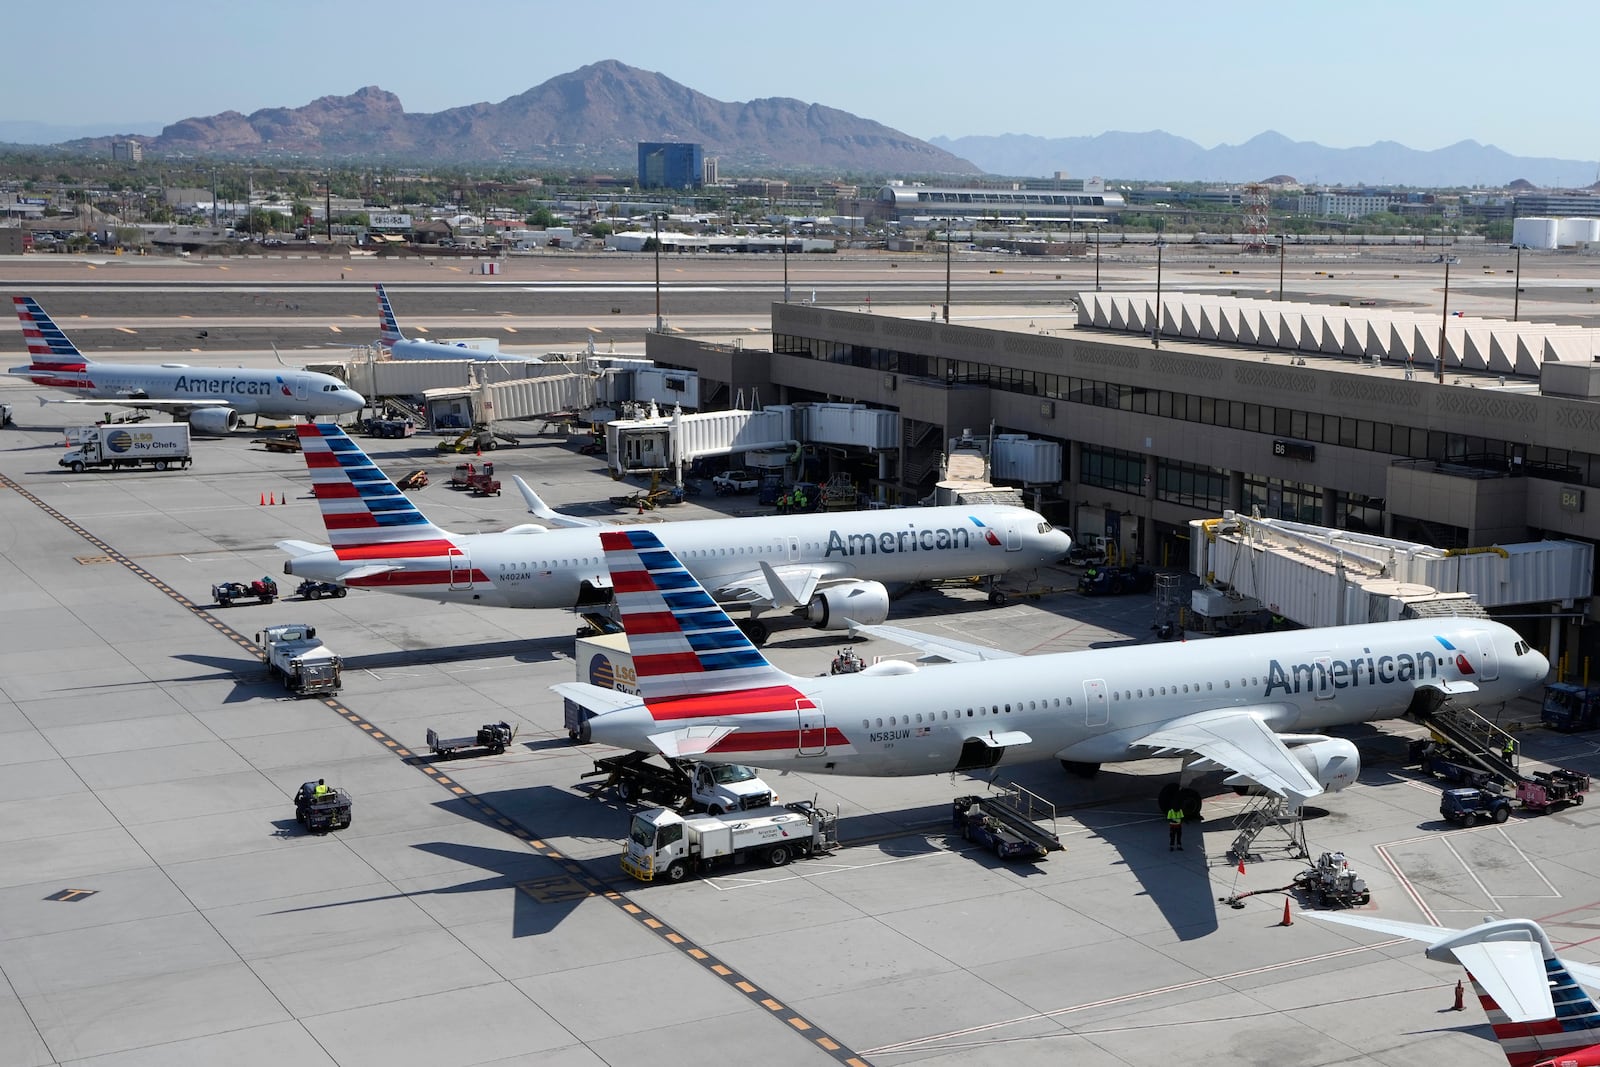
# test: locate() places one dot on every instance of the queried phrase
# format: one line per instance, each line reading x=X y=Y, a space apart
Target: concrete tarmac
x=158 y=903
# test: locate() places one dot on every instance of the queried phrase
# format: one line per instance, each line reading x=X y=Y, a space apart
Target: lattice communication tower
x=1256 y=199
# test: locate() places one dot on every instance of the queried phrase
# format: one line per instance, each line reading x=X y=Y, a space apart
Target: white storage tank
x=1535 y=231
x=1018 y=458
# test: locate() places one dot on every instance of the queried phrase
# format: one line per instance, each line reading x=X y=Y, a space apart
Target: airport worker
x=1174 y=828
x=1509 y=750
x=800 y=500
x=322 y=789
x=784 y=504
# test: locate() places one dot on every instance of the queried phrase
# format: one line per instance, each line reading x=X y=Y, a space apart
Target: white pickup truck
x=736 y=482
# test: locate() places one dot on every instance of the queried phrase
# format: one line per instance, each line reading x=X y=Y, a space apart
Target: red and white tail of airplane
x=388 y=325
x=1540 y=1014
x=692 y=661
x=368 y=517
x=53 y=359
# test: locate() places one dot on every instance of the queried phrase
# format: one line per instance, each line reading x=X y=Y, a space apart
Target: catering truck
x=161 y=445
x=663 y=844
x=602 y=659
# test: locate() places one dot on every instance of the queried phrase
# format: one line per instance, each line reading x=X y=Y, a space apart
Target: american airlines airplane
x=211 y=399
x=829 y=566
x=1541 y=1015
x=399 y=346
x=1251 y=704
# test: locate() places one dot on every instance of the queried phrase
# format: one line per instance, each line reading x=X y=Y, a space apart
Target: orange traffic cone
x=1288 y=920
x=271 y=499
x=263 y=498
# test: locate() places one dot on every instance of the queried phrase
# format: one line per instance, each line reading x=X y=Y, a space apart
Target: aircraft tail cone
x=1288 y=920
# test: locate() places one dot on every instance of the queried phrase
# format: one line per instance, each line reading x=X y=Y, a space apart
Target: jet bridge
x=1319 y=576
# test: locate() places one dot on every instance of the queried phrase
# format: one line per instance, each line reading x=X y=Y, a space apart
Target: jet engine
x=865 y=602
x=216 y=421
x=1332 y=761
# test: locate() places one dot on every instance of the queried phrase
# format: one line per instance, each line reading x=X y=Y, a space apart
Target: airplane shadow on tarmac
x=523 y=650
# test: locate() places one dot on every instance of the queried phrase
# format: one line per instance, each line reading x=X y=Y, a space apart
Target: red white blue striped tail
x=1576 y=1026
x=683 y=643
x=366 y=514
x=388 y=326
x=50 y=351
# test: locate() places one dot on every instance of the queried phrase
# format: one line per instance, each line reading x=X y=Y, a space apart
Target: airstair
x=1475 y=740
x=1268 y=812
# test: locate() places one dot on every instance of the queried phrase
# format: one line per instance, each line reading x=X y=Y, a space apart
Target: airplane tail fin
x=50 y=351
x=1574 y=1025
x=388 y=327
x=683 y=643
x=366 y=514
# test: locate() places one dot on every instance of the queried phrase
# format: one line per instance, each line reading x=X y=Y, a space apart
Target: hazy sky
x=1426 y=73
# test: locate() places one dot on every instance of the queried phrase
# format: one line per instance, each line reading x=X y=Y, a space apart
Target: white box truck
x=602 y=660
x=663 y=844
x=161 y=445
x=298 y=659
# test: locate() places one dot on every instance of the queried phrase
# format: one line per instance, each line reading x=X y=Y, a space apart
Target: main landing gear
x=1185 y=798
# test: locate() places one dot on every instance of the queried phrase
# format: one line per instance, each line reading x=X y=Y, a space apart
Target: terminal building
x=1354 y=419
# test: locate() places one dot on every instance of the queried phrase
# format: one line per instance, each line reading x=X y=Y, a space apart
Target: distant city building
x=920 y=203
x=1345 y=204
x=127 y=152
x=670 y=165
x=1557 y=204
x=708 y=171
x=763 y=188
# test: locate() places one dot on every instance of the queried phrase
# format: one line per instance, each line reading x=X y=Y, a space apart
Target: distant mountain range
x=594 y=117
x=1158 y=156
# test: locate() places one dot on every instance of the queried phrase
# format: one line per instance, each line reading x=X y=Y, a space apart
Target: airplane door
x=460 y=569
x=1096 y=705
x=1013 y=537
x=813 y=736
x=1323 y=679
x=301 y=386
x=1488 y=660
x=794 y=549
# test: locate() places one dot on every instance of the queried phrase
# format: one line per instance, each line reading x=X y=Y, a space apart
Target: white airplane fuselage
x=535 y=567
x=278 y=393
x=413 y=348
x=1086 y=706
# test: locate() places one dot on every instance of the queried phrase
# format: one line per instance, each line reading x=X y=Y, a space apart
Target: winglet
x=539 y=509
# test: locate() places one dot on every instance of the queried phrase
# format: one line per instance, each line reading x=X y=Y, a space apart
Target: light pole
x=786 y=263
x=1282 y=238
x=948 y=222
x=1097 y=259
x=655 y=216
x=1160 y=244
x=1516 y=292
x=1444 y=320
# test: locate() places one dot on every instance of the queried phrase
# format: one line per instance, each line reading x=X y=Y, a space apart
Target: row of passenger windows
x=700 y=553
x=917 y=718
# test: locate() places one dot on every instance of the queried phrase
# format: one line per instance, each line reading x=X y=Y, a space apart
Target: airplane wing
x=788 y=585
x=690 y=741
x=1235 y=739
x=1511 y=971
x=177 y=407
x=943 y=648
x=539 y=509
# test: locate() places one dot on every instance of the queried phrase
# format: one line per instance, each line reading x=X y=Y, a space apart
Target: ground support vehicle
x=848 y=661
x=493 y=737
x=602 y=658
x=415 y=480
x=738 y=481
x=160 y=445
x=665 y=845
x=684 y=784
x=1571 y=707
x=264 y=590
x=390 y=427
x=1094 y=550
x=279 y=441
x=971 y=819
x=311 y=589
x=463 y=476
x=1333 y=883
x=1114 y=581
x=484 y=483
x=321 y=812
x=1545 y=791
x=1466 y=806
x=299 y=660
x=1441 y=761
x=5 y=415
